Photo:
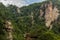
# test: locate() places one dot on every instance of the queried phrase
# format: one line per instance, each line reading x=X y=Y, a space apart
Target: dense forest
x=27 y=22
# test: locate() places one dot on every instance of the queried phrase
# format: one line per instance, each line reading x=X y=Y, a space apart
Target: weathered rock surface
x=51 y=14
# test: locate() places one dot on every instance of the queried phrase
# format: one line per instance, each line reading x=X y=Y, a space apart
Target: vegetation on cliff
x=28 y=23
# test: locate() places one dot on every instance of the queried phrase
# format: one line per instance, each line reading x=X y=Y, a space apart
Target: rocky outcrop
x=50 y=14
x=18 y=10
x=8 y=28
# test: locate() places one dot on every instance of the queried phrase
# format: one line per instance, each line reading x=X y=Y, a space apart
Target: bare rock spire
x=51 y=14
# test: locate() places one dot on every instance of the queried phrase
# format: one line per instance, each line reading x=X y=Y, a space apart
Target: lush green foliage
x=22 y=22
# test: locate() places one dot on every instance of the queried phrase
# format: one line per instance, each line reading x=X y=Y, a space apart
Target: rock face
x=8 y=27
x=51 y=14
x=27 y=36
x=18 y=10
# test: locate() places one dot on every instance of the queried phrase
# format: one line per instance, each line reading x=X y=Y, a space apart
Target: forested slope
x=27 y=22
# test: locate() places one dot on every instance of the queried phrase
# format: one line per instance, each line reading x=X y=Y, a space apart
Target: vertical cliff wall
x=50 y=14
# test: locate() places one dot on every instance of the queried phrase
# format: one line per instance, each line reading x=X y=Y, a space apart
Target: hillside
x=38 y=21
